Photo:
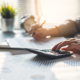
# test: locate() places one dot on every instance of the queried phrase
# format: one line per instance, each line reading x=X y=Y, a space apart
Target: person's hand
x=73 y=45
x=39 y=33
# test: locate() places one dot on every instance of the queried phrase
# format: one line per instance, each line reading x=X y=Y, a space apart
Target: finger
x=71 y=46
x=68 y=42
x=34 y=27
x=76 y=51
x=76 y=40
x=41 y=37
x=63 y=48
x=37 y=34
x=53 y=48
x=37 y=38
x=73 y=50
x=72 y=39
x=74 y=46
x=64 y=43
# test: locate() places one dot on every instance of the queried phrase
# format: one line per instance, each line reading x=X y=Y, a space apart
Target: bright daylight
x=39 y=39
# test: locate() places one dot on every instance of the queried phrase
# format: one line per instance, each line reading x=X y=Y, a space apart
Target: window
x=54 y=11
x=23 y=7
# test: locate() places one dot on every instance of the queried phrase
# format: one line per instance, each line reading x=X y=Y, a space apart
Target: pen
x=39 y=27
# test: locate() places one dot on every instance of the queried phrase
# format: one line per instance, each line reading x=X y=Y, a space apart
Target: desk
x=15 y=34
x=17 y=67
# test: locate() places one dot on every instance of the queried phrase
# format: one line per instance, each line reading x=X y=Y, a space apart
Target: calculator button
x=46 y=50
x=53 y=53
x=63 y=52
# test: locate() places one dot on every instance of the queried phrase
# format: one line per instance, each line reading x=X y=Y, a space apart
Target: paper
x=33 y=67
x=34 y=44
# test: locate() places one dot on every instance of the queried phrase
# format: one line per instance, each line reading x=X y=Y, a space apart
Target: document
x=34 y=44
x=33 y=67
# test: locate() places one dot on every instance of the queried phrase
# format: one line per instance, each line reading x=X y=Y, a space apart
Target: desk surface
x=21 y=67
x=17 y=67
x=15 y=34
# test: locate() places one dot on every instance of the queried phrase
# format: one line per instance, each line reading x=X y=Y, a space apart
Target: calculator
x=45 y=52
x=56 y=54
x=51 y=54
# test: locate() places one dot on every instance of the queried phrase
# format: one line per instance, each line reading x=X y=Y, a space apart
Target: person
x=68 y=28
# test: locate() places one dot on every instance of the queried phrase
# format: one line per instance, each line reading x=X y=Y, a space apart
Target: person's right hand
x=39 y=33
x=73 y=45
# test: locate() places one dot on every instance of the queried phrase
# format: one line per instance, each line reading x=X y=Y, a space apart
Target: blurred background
x=54 y=11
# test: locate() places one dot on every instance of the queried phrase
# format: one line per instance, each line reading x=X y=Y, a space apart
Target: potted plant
x=8 y=14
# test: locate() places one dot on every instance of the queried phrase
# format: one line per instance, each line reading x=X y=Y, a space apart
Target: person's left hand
x=73 y=45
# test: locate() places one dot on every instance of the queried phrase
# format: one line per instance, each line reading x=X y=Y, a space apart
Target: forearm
x=53 y=31
x=68 y=28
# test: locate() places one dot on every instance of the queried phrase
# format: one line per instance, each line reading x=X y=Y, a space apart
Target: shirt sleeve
x=68 y=28
x=78 y=24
